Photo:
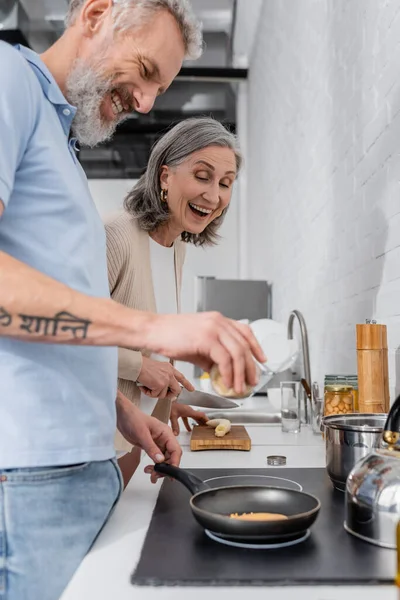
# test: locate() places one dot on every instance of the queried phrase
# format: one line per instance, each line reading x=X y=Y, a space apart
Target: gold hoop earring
x=164 y=195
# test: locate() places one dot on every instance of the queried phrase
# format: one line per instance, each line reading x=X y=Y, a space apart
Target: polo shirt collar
x=49 y=85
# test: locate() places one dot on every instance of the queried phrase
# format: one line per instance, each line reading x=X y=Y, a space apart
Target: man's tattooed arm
x=36 y=308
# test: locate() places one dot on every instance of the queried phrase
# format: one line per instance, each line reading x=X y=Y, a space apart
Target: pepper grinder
x=371 y=368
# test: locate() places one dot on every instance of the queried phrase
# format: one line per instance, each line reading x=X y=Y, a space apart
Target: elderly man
x=58 y=328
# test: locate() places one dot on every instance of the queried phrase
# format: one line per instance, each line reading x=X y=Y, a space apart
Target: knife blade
x=204 y=400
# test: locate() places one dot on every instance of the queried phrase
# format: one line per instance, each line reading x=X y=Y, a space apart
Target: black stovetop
x=178 y=552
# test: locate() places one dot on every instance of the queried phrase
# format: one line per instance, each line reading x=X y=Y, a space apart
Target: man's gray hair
x=189 y=136
x=134 y=13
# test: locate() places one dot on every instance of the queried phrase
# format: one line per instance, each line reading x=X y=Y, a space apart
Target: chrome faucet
x=306 y=355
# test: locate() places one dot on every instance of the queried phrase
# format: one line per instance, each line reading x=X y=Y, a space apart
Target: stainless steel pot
x=348 y=439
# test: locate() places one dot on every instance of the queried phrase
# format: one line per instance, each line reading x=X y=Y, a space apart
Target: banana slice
x=221 y=426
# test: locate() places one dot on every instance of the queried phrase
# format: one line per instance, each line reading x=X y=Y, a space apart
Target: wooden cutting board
x=204 y=438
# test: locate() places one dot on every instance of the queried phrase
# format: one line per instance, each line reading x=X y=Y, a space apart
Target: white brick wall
x=323 y=170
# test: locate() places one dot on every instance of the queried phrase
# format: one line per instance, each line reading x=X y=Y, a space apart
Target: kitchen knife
x=204 y=400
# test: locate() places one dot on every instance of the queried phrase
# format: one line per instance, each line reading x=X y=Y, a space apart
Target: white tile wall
x=323 y=170
x=109 y=194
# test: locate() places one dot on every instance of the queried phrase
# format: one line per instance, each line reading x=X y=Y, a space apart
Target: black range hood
x=14 y=36
x=212 y=74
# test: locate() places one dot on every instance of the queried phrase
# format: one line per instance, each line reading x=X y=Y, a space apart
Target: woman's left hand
x=185 y=413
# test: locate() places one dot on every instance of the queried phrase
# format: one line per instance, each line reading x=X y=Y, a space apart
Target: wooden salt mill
x=373 y=376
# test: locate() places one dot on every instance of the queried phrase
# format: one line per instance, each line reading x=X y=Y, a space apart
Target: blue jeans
x=49 y=518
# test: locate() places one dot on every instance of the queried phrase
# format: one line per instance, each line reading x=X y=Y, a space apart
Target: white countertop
x=106 y=571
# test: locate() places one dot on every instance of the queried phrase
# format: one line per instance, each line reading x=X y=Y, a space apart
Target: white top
x=164 y=281
x=162 y=260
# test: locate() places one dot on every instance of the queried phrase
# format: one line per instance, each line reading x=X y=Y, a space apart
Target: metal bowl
x=348 y=438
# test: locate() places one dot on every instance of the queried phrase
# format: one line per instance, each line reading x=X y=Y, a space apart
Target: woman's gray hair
x=129 y=14
x=189 y=136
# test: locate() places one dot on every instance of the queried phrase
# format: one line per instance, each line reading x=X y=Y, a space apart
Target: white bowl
x=281 y=352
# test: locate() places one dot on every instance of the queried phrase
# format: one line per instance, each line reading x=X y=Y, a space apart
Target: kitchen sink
x=246 y=417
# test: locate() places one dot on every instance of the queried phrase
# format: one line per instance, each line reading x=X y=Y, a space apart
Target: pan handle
x=190 y=481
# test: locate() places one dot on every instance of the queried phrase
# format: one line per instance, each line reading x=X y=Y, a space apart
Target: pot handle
x=190 y=481
x=391 y=432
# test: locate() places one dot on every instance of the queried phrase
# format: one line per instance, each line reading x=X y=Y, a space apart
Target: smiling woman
x=187 y=186
x=181 y=198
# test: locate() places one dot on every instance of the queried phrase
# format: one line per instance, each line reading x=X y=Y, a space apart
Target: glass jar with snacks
x=338 y=400
x=350 y=380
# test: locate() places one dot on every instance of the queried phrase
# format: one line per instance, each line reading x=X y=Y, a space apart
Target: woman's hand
x=161 y=380
x=185 y=413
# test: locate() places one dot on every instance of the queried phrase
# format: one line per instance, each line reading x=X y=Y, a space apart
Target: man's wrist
x=147 y=325
x=133 y=328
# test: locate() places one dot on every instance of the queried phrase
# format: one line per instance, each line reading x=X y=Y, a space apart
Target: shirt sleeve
x=129 y=364
x=17 y=115
x=129 y=361
x=116 y=251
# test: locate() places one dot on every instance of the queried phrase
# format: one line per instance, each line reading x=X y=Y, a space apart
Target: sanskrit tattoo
x=5 y=317
x=52 y=326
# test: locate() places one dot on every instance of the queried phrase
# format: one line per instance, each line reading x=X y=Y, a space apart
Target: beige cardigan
x=130 y=281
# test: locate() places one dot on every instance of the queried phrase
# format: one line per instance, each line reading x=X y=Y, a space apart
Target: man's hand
x=161 y=380
x=185 y=412
x=206 y=339
x=154 y=437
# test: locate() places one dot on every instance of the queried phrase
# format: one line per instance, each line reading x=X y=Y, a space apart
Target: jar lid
x=341 y=376
x=338 y=388
x=276 y=460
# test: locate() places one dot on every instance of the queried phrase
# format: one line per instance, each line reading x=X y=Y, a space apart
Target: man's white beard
x=86 y=90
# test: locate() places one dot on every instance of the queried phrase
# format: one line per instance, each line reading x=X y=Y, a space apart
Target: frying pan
x=211 y=508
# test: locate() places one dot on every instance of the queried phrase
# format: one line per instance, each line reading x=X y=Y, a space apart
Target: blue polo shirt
x=57 y=402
